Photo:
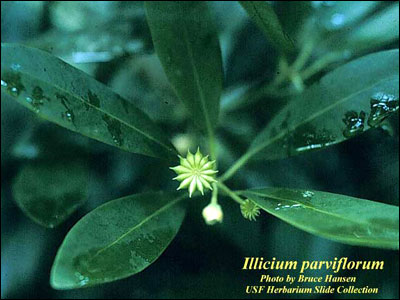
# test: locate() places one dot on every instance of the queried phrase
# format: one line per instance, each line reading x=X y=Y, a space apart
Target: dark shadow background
x=203 y=261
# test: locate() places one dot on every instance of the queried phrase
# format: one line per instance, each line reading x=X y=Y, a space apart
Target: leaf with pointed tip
x=49 y=193
x=187 y=44
x=262 y=13
x=346 y=102
x=340 y=218
x=68 y=97
x=118 y=239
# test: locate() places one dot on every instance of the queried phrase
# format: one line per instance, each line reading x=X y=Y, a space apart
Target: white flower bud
x=212 y=214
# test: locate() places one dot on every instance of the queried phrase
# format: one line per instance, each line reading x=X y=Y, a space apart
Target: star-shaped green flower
x=195 y=172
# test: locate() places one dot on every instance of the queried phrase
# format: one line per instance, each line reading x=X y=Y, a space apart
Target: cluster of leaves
x=124 y=236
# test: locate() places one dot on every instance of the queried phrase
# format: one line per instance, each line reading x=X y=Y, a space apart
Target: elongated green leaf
x=262 y=13
x=70 y=98
x=49 y=193
x=330 y=25
x=346 y=102
x=376 y=31
x=187 y=44
x=118 y=239
x=340 y=218
x=381 y=29
x=343 y=14
x=293 y=16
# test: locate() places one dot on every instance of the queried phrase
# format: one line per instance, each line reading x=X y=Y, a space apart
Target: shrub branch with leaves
x=122 y=237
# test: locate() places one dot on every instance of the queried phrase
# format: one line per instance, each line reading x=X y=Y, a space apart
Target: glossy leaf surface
x=340 y=218
x=68 y=97
x=346 y=102
x=117 y=239
x=187 y=44
x=262 y=13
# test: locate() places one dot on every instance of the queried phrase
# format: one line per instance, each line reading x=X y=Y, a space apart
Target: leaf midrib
x=197 y=80
x=379 y=242
x=141 y=223
x=100 y=110
x=263 y=21
x=308 y=207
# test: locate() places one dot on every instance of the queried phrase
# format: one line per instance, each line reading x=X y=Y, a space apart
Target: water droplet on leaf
x=83 y=280
x=354 y=123
x=12 y=82
x=38 y=94
x=68 y=114
x=307 y=138
x=280 y=206
x=114 y=127
x=93 y=100
x=382 y=105
x=34 y=103
x=308 y=194
x=15 y=66
x=362 y=233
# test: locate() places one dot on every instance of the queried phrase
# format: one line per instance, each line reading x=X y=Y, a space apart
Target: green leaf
x=293 y=16
x=340 y=218
x=93 y=45
x=68 y=97
x=104 y=36
x=379 y=30
x=344 y=14
x=262 y=13
x=49 y=193
x=187 y=44
x=346 y=102
x=117 y=239
x=328 y=23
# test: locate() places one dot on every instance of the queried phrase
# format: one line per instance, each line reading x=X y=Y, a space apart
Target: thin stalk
x=230 y=193
x=303 y=56
x=236 y=166
x=283 y=68
x=297 y=82
x=320 y=64
x=246 y=157
x=214 y=197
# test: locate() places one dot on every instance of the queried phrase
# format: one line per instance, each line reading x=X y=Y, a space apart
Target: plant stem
x=320 y=64
x=297 y=82
x=293 y=73
x=230 y=193
x=283 y=67
x=214 y=197
x=303 y=56
x=237 y=165
x=285 y=73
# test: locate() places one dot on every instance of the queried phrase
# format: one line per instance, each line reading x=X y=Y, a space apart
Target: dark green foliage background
x=202 y=261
